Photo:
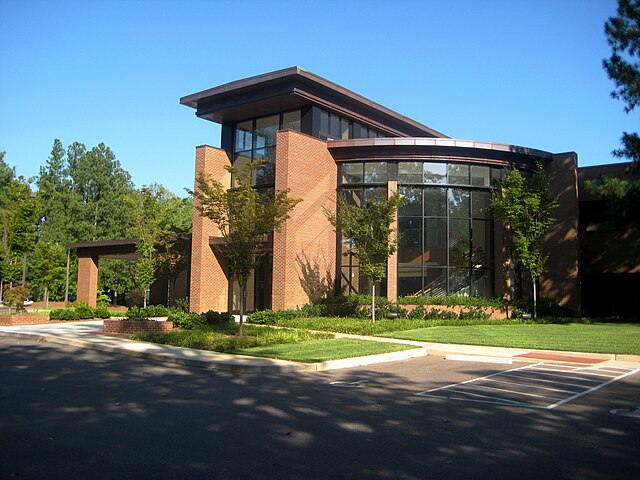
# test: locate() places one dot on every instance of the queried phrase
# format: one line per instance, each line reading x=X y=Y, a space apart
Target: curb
x=237 y=363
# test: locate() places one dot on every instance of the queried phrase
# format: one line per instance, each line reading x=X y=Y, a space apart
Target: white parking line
x=535 y=386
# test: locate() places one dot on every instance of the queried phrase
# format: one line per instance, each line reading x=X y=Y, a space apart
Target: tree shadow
x=72 y=413
x=315 y=283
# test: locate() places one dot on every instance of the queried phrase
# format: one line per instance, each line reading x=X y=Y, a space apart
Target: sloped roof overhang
x=421 y=149
x=293 y=88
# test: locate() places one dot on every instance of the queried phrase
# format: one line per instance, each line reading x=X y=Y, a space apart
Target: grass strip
x=324 y=350
x=208 y=338
x=364 y=326
x=594 y=338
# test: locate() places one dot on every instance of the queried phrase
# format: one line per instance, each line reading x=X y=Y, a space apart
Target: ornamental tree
x=245 y=216
x=525 y=206
x=368 y=226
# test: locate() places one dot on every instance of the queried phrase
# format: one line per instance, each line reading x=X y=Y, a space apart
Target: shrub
x=313 y=310
x=101 y=312
x=187 y=321
x=453 y=300
x=135 y=298
x=270 y=317
x=347 y=306
x=150 y=311
x=15 y=297
x=181 y=305
x=84 y=311
x=417 y=313
x=436 y=314
x=386 y=307
x=218 y=318
x=63 y=314
x=474 y=313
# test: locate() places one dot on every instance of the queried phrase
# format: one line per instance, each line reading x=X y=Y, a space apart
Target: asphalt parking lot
x=73 y=413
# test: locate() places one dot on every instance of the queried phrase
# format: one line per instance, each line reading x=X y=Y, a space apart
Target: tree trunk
x=373 y=301
x=535 y=298
x=243 y=299
x=144 y=297
x=46 y=297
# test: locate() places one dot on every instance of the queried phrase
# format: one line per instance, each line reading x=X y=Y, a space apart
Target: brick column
x=209 y=283
x=562 y=280
x=88 y=280
x=392 y=262
x=304 y=251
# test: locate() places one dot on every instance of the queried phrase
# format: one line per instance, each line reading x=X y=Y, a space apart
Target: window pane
x=459 y=174
x=239 y=162
x=435 y=241
x=375 y=192
x=373 y=134
x=348 y=250
x=375 y=172
x=352 y=196
x=458 y=202
x=359 y=131
x=480 y=176
x=334 y=126
x=412 y=205
x=243 y=136
x=481 y=284
x=496 y=175
x=435 y=172
x=435 y=202
x=324 y=123
x=291 y=120
x=350 y=280
x=409 y=280
x=410 y=172
x=410 y=241
x=480 y=203
x=459 y=281
x=459 y=243
x=351 y=173
x=482 y=245
x=266 y=173
x=266 y=129
x=435 y=282
x=344 y=129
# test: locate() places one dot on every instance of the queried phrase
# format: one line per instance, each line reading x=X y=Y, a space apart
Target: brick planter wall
x=13 y=320
x=494 y=313
x=130 y=327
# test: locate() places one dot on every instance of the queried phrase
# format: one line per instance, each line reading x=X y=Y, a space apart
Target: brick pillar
x=392 y=262
x=562 y=280
x=209 y=284
x=304 y=250
x=88 y=280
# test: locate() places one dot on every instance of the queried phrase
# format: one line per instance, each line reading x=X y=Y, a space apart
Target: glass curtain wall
x=360 y=182
x=445 y=229
x=255 y=140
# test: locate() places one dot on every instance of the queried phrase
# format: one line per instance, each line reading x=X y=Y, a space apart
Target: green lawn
x=596 y=338
x=324 y=350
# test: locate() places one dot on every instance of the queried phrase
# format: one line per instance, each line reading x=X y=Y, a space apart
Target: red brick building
x=319 y=140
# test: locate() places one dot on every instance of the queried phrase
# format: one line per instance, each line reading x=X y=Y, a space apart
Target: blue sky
x=514 y=71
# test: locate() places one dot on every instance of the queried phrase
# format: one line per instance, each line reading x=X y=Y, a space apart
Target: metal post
x=66 y=286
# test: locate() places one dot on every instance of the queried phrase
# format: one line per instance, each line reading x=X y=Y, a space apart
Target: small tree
x=245 y=216
x=15 y=297
x=369 y=228
x=525 y=206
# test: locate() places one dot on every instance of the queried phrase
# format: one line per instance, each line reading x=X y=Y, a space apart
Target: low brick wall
x=130 y=327
x=494 y=313
x=14 y=320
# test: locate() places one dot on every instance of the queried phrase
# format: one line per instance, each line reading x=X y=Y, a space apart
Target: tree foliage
x=525 y=206
x=245 y=216
x=368 y=227
x=623 y=67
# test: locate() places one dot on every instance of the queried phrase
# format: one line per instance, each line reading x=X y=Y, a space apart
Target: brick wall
x=209 y=283
x=129 y=327
x=9 y=320
x=562 y=281
x=304 y=251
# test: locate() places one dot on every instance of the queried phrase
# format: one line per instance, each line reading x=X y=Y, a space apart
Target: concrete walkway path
x=89 y=335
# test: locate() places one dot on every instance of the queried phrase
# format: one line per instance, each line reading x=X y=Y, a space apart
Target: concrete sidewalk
x=89 y=335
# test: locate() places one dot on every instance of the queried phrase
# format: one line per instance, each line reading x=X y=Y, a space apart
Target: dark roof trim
x=293 y=86
x=415 y=149
x=130 y=242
